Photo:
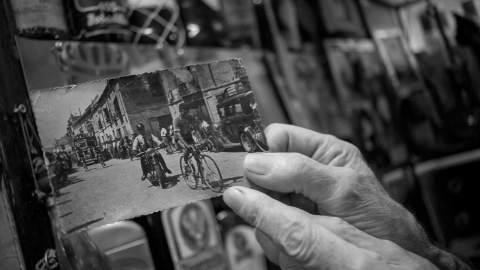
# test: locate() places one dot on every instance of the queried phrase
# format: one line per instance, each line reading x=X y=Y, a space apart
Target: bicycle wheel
x=211 y=174
x=160 y=176
x=188 y=176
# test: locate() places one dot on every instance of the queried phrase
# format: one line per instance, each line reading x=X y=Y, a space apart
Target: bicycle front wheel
x=188 y=175
x=211 y=174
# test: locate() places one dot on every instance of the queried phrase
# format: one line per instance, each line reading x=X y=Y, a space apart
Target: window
x=118 y=112
x=107 y=115
x=155 y=84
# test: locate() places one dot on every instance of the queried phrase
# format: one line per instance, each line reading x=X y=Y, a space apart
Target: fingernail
x=233 y=197
x=258 y=163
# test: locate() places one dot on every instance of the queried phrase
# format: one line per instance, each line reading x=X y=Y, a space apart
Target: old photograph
x=130 y=146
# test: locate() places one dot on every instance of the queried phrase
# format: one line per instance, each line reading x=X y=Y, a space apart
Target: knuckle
x=253 y=212
x=351 y=186
x=295 y=162
x=296 y=241
x=337 y=222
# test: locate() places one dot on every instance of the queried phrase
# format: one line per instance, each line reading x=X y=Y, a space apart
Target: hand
x=295 y=239
x=334 y=178
x=323 y=175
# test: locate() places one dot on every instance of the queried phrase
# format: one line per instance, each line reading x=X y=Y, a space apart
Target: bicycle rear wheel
x=188 y=176
x=211 y=174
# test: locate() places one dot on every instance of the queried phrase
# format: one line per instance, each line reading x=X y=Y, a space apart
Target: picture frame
x=400 y=63
x=342 y=17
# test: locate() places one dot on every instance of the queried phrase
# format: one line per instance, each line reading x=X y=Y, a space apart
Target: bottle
x=98 y=20
x=40 y=19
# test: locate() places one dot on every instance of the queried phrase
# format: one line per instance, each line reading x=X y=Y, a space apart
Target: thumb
x=292 y=231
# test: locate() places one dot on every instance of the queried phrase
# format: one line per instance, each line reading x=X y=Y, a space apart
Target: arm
x=179 y=136
x=156 y=140
x=135 y=144
x=177 y=131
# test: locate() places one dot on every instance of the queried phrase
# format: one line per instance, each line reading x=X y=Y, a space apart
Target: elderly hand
x=294 y=239
x=323 y=175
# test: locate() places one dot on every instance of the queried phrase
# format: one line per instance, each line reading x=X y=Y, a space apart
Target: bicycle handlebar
x=145 y=152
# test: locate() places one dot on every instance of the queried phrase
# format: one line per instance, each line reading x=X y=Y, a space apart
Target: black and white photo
x=134 y=145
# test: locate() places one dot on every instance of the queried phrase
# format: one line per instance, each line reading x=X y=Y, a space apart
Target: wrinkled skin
x=325 y=208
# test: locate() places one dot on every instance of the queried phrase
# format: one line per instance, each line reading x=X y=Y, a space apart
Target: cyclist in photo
x=99 y=154
x=81 y=157
x=183 y=132
x=143 y=142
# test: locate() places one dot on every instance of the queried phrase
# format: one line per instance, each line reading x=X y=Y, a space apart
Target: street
x=101 y=196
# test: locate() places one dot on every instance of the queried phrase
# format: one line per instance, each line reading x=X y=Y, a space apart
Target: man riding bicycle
x=183 y=132
x=81 y=158
x=141 y=143
x=99 y=154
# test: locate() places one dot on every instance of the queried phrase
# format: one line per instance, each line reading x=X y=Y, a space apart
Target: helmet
x=140 y=127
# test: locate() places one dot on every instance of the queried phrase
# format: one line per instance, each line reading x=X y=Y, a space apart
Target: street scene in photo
x=130 y=146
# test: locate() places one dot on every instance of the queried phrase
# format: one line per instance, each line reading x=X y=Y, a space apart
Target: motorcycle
x=256 y=137
x=156 y=174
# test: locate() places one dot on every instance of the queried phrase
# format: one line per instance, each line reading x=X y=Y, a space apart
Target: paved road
x=101 y=196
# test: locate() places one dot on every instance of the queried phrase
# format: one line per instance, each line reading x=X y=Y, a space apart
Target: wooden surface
x=30 y=215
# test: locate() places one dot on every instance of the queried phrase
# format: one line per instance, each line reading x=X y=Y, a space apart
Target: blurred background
x=400 y=79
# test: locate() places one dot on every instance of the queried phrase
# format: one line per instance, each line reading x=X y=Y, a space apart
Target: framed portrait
x=401 y=65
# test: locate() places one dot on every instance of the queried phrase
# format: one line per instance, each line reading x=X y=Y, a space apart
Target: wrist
x=416 y=241
x=444 y=260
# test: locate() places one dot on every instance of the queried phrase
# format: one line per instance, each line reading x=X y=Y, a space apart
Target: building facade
x=202 y=86
x=125 y=103
x=62 y=144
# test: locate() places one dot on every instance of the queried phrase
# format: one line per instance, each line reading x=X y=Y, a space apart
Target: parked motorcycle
x=255 y=137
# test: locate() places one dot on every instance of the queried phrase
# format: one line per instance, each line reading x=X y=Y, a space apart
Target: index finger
x=324 y=148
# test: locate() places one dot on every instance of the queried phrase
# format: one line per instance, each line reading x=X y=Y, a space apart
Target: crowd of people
x=119 y=148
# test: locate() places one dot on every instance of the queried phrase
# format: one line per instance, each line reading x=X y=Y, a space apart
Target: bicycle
x=206 y=145
x=156 y=173
x=84 y=163
x=206 y=169
x=167 y=145
x=101 y=161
